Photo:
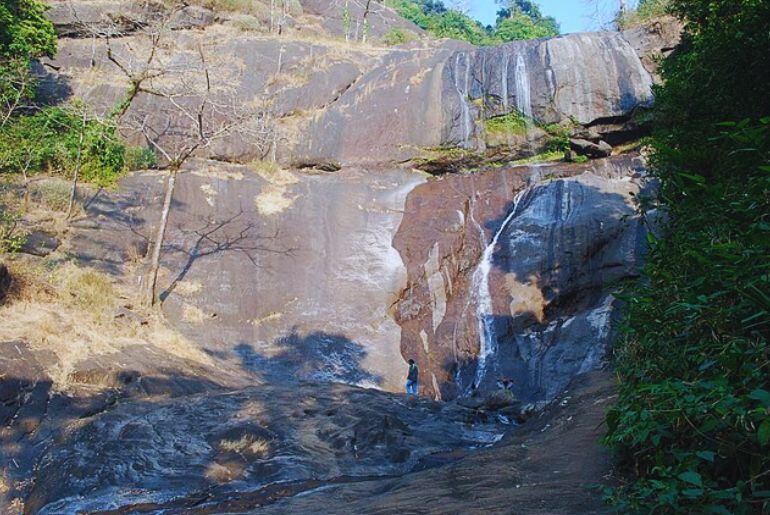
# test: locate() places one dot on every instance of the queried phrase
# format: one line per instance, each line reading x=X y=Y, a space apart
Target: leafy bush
x=558 y=138
x=693 y=415
x=520 y=26
x=50 y=141
x=140 y=158
x=11 y=238
x=511 y=123
x=25 y=34
x=396 y=36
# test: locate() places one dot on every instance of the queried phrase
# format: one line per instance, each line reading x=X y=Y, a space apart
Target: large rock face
x=290 y=274
x=330 y=100
x=441 y=97
x=304 y=249
x=508 y=273
x=342 y=276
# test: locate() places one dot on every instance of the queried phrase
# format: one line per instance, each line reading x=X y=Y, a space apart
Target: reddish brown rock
x=549 y=267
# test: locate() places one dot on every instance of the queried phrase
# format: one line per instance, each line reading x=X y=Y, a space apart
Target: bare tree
x=15 y=86
x=365 y=21
x=188 y=113
x=604 y=12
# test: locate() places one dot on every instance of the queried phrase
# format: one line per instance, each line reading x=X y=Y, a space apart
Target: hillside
x=277 y=204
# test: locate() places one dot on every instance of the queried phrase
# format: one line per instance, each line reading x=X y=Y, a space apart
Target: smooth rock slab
x=155 y=452
x=285 y=274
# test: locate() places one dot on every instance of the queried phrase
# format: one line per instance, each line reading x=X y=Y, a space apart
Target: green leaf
x=706 y=455
x=692 y=492
x=691 y=477
x=699 y=179
x=762 y=396
x=763 y=434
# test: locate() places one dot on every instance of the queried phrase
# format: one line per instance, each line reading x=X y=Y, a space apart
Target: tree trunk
x=78 y=164
x=365 y=21
x=152 y=279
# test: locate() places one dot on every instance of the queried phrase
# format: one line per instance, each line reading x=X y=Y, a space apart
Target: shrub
x=693 y=415
x=11 y=238
x=511 y=123
x=49 y=141
x=140 y=158
x=396 y=36
x=646 y=11
x=25 y=34
x=86 y=290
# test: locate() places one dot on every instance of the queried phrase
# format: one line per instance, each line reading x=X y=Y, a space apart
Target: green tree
x=693 y=415
x=525 y=21
x=520 y=26
x=522 y=19
x=25 y=35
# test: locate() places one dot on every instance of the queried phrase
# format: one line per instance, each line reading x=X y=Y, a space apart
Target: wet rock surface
x=572 y=233
x=301 y=281
x=550 y=465
x=222 y=444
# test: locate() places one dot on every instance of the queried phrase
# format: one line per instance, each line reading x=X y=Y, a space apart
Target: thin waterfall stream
x=463 y=86
x=483 y=297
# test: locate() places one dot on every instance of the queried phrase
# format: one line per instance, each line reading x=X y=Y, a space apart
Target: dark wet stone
x=40 y=243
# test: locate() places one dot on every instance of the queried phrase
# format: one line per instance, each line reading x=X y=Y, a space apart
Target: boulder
x=87 y=18
x=589 y=148
x=40 y=243
x=499 y=399
x=654 y=41
x=192 y=17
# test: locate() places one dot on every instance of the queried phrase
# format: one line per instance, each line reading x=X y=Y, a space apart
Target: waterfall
x=463 y=86
x=504 y=79
x=523 y=94
x=483 y=297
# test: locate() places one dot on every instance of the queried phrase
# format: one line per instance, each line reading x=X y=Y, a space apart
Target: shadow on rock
x=316 y=356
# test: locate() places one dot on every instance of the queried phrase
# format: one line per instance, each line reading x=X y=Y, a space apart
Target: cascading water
x=483 y=297
x=523 y=94
x=504 y=80
x=463 y=86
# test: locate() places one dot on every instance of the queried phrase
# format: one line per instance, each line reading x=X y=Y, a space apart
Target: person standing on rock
x=412 y=379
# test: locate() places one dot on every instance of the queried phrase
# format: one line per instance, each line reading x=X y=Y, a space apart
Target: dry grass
x=225 y=472
x=87 y=291
x=69 y=312
x=52 y=194
x=247 y=445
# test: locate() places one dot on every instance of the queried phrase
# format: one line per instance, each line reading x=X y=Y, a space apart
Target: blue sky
x=573 y=15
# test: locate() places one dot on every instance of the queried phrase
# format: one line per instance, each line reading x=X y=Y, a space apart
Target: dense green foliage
x=25 y=34
x=53 y=139
x=50 y=141
x=693 y=416
x=522 y=19
x=515 y=23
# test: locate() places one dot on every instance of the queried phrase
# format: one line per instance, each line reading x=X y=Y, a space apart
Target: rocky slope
x=322 y=272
